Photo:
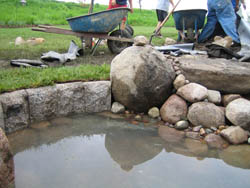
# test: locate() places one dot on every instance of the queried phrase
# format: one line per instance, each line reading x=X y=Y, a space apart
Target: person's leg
x=161 y=15
x=227 y=18
x=209 y=28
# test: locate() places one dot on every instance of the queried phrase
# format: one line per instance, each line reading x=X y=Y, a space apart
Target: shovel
x=164 y=21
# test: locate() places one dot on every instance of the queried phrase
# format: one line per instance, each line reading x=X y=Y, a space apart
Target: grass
x=13 y=79
x=83 y=68
x=58 y=43
x=12 y=13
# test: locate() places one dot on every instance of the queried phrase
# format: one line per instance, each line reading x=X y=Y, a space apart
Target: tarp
x=244 y=33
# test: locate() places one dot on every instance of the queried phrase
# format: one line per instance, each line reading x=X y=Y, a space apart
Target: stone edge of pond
x=20 y=108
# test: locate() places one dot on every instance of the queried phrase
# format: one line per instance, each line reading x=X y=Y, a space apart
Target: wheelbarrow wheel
x=117 y=46
x=130 y=29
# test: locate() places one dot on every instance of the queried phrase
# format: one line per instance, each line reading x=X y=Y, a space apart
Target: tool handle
x=166 y=19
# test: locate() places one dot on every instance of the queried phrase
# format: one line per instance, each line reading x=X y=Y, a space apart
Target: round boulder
x=206 y=114
x=174 y=109
x=141 y=78
x=238 y=112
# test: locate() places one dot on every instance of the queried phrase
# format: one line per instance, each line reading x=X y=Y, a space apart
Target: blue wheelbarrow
x=99 y=25
x=188 y=23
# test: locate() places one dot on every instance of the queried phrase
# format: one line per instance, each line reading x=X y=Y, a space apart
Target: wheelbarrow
x=188 y=23
x=99 y=25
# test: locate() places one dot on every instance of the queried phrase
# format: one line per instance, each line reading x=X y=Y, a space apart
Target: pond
x=96 y=151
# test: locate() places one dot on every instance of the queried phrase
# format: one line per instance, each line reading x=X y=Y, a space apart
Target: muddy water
x=94 y=151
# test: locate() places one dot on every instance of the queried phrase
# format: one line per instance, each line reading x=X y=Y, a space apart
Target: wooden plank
x=51 y=29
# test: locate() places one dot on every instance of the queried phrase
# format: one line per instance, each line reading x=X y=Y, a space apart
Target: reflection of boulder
x=132 y=147
x=238 y=156
x=170 y=134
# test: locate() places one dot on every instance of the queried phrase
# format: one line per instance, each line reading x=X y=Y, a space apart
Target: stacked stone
x=140 y=78
x=204 y=113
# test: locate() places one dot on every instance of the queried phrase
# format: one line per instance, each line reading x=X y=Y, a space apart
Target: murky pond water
x=94 y=151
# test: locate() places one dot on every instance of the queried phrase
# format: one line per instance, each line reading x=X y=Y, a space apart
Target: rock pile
x=199 y=110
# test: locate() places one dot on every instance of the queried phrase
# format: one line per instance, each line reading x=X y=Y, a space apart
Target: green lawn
x=52 y=12
x=56 y=42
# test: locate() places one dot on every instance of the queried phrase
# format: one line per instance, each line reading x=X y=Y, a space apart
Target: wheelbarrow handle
x=166 y=19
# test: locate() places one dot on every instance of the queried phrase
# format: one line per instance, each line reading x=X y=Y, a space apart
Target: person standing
x=162 y=12
x=118 y=4
x=221 y=11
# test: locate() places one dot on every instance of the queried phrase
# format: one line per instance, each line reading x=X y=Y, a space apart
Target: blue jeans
x=220 y=11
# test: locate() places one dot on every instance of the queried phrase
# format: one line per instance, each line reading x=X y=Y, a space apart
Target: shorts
x=116 y=6
x=161 y=14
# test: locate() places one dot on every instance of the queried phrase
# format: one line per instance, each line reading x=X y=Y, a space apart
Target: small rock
x=154 y=112
x=226 y=99
x=171 y=125
x=140 y=41
x=117 y=108
x=208 y=131
x=187 y=81
x=218 y=131
x=193 y=92
x=213 y=129
x=127 y=112
x=202 y=132
x=167 y=124
x=178 y=72
x=238 y=113
x=181 y=125
x=221 y=127
x=19 y=41
x=193 y=135
x=214 y=96
x=197 y=128
x=235 y=135
x=169 y=41
x=179 y=81
x=225 y=42
x=138 y=118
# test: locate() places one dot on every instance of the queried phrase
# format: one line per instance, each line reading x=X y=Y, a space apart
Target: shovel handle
x=166 y=19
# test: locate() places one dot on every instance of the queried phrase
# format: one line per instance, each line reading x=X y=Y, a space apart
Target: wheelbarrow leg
x=83 y=43
x=196 y=30
x=95 y=47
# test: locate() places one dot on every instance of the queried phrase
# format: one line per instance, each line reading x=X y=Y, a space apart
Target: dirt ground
x=99 y=58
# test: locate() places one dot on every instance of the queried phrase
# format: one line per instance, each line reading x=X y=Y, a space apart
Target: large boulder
x=238 y=112
x=15 y=109
x=217 y=74
x=141 y=78
x=174 y=109
x=206 y=114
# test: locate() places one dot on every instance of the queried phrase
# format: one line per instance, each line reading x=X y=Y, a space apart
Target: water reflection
x=100 y=152
x=129 y=148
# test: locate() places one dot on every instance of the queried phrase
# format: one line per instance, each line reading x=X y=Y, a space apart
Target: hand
x=131 y=10
x=113 y=2
x=237 y=8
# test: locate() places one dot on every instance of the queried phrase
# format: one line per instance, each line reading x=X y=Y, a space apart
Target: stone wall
x=20 y=108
